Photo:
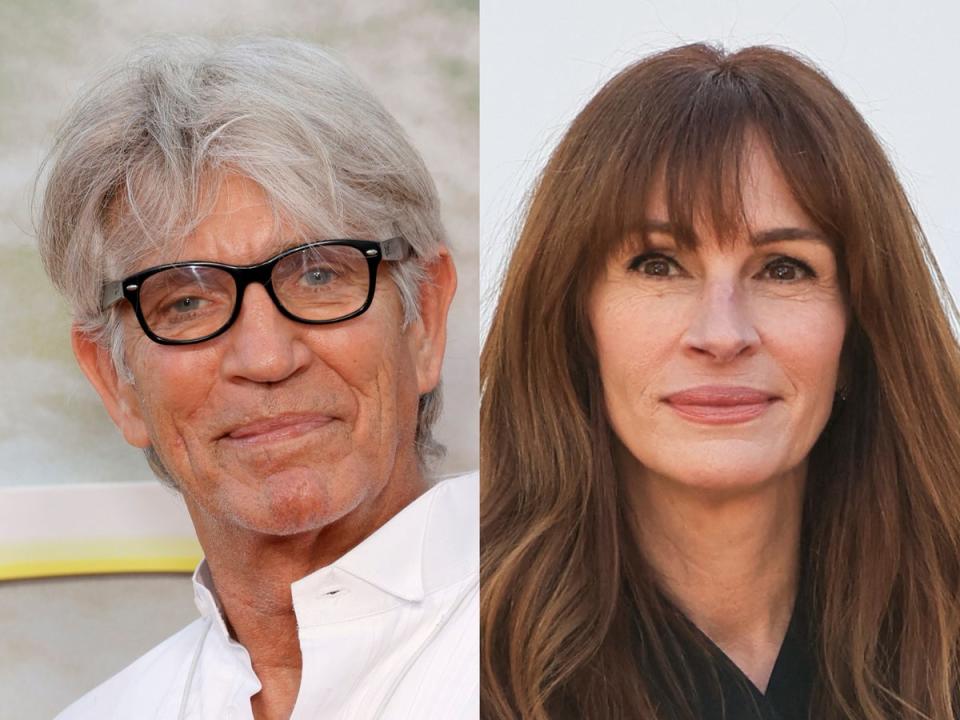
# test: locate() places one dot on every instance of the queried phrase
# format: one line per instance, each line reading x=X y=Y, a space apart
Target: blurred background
x=60 y=456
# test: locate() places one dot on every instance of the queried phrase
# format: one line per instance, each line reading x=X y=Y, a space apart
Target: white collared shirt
x=387 y=632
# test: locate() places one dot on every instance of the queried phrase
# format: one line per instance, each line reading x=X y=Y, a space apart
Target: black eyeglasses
x=318 y=283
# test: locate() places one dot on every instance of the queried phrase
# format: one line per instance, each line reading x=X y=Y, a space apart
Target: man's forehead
x=239 y=225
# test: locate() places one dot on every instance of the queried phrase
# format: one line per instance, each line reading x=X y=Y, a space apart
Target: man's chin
x=286 y=519
x=289 y=501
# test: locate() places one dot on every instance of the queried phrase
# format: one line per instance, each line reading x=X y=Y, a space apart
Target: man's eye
x=186 y=304
x=653 y=265
x=787 y=270
x=318 y=277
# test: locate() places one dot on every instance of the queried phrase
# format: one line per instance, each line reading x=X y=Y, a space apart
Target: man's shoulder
x=146 y=687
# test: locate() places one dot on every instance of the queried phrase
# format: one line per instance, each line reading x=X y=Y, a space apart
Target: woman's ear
x=118 y=395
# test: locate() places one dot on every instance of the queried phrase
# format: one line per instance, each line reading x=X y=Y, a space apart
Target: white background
x=541 y=60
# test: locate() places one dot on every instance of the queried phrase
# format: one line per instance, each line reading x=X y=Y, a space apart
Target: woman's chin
x=724 y=482
x=722 y=472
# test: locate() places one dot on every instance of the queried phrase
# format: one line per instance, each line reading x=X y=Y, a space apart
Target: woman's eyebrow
x=773 y=235
x=757 y=239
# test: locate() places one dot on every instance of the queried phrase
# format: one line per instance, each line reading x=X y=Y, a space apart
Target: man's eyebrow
x=764 y=237
x=282 y=244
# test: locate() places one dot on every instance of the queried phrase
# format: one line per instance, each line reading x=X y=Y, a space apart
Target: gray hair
x=131 y=170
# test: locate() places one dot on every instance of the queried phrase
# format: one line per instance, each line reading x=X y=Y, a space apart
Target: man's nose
x=262 y=345
x=721 y=326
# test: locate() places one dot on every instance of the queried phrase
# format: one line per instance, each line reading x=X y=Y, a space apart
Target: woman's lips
x=277 y=428
x=720 y=405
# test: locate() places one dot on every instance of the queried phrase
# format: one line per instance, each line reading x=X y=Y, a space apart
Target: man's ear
x=118 y=395
x=430 y=331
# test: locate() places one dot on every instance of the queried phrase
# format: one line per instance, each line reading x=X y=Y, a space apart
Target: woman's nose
x=263 y=345
x=721 y=326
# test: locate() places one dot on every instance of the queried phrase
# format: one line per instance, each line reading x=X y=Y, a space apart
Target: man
x=256 y=266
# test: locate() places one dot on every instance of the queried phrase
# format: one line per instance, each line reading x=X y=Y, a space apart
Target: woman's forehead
x=749 y=199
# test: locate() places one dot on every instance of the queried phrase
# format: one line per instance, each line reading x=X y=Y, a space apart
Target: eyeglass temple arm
x=395 y=249
x=112 y=292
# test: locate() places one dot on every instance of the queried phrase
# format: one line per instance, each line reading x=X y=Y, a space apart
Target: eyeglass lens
x=320 y=283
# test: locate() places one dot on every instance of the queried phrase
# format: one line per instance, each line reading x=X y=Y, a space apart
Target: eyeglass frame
x=394 y=249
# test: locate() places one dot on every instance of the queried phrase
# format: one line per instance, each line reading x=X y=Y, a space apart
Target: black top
x=723 y=692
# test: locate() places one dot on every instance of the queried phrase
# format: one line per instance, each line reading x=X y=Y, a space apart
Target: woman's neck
x=729 y=560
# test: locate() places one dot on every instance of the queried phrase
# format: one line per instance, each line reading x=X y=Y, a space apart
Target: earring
x=841 y=393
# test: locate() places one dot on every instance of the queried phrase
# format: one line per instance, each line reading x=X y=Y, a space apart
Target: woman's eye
x=787 y=270
x=653 y=265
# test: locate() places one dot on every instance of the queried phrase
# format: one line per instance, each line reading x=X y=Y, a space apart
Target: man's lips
x=720 y=404
x=277 y=427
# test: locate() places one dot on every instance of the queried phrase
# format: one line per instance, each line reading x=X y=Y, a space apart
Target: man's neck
x=253 y=573
x=731 y=563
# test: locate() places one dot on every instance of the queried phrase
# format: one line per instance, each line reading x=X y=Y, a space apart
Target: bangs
x=687 y=139
x=698 y=171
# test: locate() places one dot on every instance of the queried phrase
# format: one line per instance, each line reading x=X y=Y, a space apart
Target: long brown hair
x=572 y=624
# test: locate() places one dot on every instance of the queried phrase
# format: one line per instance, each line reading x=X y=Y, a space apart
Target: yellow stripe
x=83 y=557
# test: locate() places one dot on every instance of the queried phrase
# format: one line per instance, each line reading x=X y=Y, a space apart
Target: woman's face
x=719 y=365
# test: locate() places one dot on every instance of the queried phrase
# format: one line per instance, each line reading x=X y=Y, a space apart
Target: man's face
x=276 y=426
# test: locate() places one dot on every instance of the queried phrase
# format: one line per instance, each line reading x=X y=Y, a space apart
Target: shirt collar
x=430 y=544
x=206 y=599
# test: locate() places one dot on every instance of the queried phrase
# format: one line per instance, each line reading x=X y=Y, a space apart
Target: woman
x=720 y=432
